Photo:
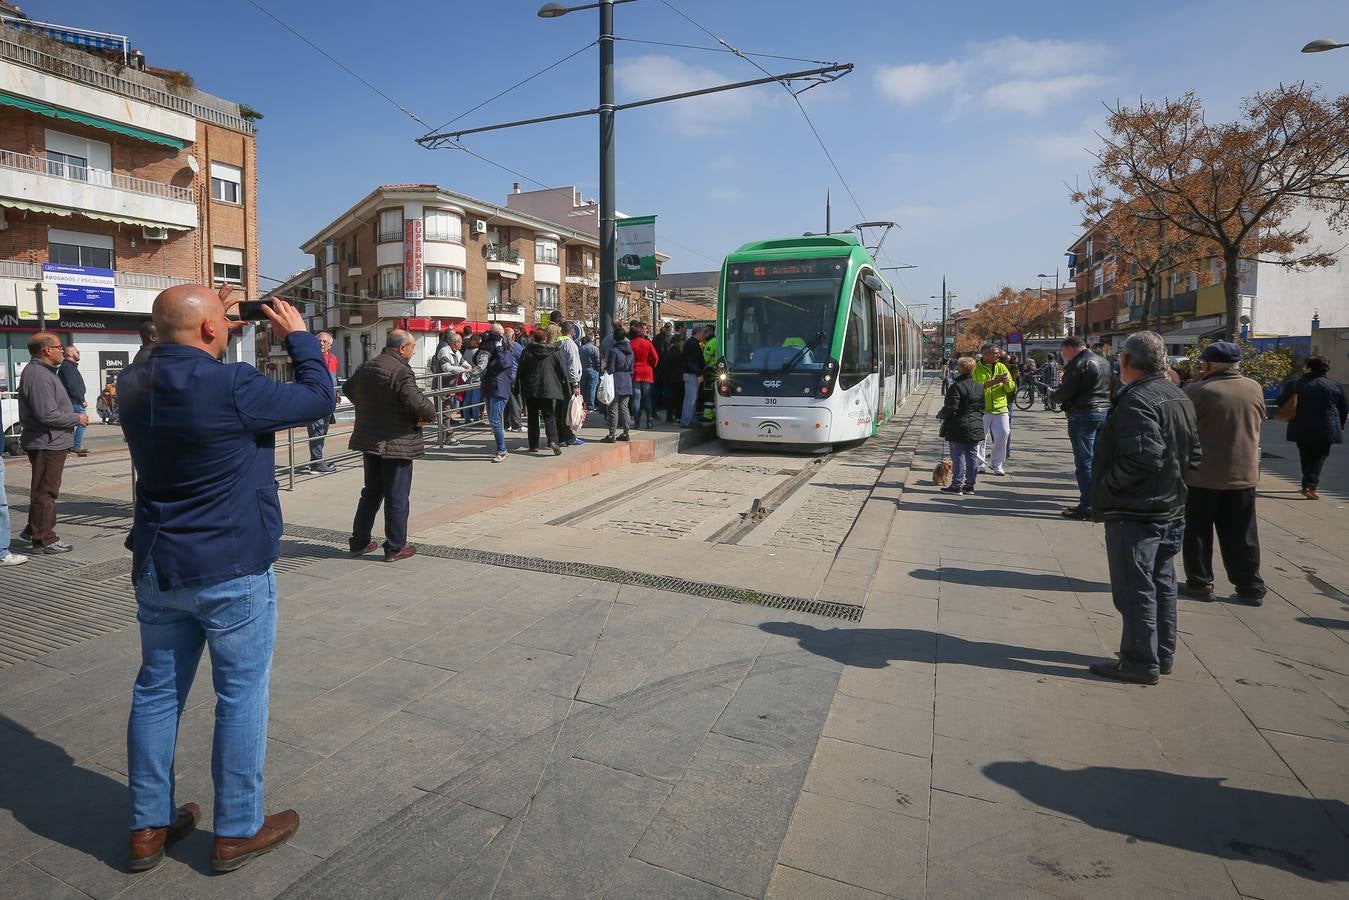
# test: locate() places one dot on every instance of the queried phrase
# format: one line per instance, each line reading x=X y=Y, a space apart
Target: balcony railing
x=65 y=68
x=33 y=272
x=1185 y=302
x=67 y=172
x=389 y=292
x=387 y=237
x=502 y=253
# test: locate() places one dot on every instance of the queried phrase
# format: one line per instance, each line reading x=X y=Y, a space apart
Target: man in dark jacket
x=149 y=338
x=1146 y=448
x=390 y=413
x=693 y=376
x=543 y=382
x=1084 y=395
x=206 y=532
x=70 y=376
x=48 y=422
x=1229 y=410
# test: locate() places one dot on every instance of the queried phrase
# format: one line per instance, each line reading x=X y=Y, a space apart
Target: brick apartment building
x=423 y=258
x=117 y=180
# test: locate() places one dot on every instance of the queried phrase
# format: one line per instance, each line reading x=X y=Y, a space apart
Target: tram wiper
x=803 y=353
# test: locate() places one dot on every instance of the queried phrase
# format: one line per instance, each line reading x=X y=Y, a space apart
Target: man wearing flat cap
x=1229 y=408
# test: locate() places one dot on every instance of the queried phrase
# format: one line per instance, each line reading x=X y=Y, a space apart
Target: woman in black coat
x=1318 y=421
x=543 y=383
x=963 y=426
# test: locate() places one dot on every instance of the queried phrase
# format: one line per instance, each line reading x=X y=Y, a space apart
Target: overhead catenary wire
x=818 y=62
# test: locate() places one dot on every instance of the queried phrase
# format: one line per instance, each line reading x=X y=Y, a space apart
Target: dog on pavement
x=941 y=475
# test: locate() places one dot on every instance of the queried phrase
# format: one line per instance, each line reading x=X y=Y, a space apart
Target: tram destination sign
x=789 y=268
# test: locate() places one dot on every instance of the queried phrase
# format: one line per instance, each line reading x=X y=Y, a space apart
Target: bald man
x=390 y=413
x=207 y=530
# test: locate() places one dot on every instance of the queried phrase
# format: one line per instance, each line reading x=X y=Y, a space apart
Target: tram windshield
x=783 y=324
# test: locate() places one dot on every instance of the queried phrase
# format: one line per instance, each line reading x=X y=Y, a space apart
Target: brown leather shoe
x=408 y=550
x=368 y=548
x=147 y=844
x=235 y=853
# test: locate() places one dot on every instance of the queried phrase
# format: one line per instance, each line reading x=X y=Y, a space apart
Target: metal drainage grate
x=827 y=608
x=43 y=608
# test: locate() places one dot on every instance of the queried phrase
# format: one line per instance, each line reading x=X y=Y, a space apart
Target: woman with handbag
x=963 y=426
x=1315 y=409
x=619 y=365
x=543 y=382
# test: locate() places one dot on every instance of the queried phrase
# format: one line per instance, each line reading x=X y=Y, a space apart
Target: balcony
x=94 y=192
x=1184 y=302
x=502 y=260
x=505 y=312
x=587 y=277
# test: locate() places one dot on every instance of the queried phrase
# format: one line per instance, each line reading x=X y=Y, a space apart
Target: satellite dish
x=193 y=164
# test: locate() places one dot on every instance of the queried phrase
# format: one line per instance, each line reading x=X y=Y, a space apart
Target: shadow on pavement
x=1010 y=579
x=1336 y=624
x=886 y=645
x=1201 y=815
x=55 y=799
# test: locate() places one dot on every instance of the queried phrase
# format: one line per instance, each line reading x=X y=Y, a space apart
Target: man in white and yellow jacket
x=998 y=389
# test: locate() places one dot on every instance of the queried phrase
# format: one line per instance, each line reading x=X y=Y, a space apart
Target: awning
x=79 y=37
x=53 y=112
x=103 y=217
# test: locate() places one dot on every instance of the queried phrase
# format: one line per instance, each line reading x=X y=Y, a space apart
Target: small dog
x=941 y=475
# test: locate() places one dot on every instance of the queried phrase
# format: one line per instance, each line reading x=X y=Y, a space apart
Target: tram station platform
x=714 y=675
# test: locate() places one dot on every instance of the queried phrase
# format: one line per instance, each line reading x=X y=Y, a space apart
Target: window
x=493 y=293
x=70 y=156
x=391 y=281
x=590 y=260
x=228 y=265
x=227 y=183
x=330 y=253
x=545 y=296
x=75 y=248
x=443 y=282
x=443 y=225
x=390 y=226
x=545 y=251
x=859 y=358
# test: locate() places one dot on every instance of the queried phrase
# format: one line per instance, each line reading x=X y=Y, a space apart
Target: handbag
x=605 y=392
x=1288 y=410
x=576 y=412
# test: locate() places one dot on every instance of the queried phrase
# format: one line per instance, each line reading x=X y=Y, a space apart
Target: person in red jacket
x=644 y=362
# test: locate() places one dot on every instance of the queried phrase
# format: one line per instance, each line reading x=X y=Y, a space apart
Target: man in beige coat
x=1229 y=408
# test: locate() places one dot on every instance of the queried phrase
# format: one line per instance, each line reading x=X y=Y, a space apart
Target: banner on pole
x=636 y=248
x=85 y=287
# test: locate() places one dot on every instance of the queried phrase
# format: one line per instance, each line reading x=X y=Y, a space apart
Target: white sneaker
x=499 y=457
x=12 y=559
x=999 y=472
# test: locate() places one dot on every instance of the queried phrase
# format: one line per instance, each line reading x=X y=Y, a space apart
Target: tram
x=816 y=348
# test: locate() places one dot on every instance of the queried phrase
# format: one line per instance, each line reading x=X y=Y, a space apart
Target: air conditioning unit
x=479 y=226
x=155 y=234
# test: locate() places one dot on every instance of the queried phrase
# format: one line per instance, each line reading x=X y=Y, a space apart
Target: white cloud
x=1076 y=146
x=725 y=195
x=1009 y=73
x=653 y=76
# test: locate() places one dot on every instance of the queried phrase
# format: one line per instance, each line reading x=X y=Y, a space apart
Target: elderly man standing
x=206 y=532
x=1229 y=409
x=390 y=413
x=1144 y=451
x=1084 y=395
x=318 y=429
x=49 y=421
x=998 y=388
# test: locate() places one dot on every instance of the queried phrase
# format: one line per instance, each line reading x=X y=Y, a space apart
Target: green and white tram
x=816 y=349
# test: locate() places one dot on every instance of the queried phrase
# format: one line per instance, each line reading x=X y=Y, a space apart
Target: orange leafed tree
x=1011 y=310
x=1233 y=187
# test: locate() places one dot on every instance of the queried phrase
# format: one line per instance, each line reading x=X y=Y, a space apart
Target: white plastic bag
x=605 y=392
x=576 y=412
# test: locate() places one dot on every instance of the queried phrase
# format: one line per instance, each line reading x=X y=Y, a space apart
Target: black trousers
x=1313 y=457
x=388 y=482
x=1232 y=515
x=540 y=408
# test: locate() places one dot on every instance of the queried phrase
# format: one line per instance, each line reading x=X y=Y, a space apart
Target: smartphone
x=251 y=310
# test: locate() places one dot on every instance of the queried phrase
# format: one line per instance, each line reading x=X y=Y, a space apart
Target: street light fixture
x=1321 y=45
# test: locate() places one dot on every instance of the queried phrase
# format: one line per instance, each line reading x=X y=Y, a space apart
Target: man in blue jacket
x=206 y=532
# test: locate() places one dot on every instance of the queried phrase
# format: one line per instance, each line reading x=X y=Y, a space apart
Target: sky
x=966 y=124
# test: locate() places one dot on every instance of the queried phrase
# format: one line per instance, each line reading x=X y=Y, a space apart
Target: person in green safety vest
x=999 y=386
x=798 y=343
x=711 y=352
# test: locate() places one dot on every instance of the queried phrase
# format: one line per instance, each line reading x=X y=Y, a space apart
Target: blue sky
x=963 y=122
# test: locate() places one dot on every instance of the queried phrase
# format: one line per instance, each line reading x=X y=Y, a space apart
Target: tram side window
x=859 y=348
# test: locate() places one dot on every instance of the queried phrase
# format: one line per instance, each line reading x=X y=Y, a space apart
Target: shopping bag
x=576 y=412
x=605 y=392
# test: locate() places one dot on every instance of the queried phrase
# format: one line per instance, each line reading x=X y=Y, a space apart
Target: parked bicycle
x=1028 y=390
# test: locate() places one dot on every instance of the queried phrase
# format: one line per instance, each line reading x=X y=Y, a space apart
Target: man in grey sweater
x=49 y=422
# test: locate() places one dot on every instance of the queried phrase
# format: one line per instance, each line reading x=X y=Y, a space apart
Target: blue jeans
x=690 y=400
x=80 y=408
x=1143 y=585
x=496 y=409
x=317 y=430
x=643 y=401
x=236 y=619
x=472 y=409
x=590 y=382
x=388 y=483
x=5 y=534
x=1082 y=428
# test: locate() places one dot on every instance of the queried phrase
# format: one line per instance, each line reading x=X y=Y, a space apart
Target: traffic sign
x=1014 y=337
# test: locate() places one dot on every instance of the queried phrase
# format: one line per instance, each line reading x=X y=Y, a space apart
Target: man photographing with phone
x=206 y=532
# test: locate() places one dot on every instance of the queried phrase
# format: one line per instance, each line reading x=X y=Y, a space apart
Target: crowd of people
x=1165 y=468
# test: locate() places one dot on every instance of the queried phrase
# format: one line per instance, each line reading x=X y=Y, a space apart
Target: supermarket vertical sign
x=413 y=273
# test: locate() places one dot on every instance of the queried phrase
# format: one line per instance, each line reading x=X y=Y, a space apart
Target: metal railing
x=33 y=272
x=65 y=68
x=67 y=172
x=388 y=237
x=502 y=253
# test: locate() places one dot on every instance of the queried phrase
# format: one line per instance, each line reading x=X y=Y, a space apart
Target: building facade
x=117 y=181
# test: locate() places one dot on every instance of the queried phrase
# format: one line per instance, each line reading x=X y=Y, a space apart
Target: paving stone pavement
x=451 y=730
